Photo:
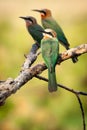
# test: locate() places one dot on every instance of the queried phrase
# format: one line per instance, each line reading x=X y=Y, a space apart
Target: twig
x=82 y=111
x=64 y=87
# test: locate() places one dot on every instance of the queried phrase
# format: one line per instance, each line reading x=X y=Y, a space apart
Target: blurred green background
x=33 y=107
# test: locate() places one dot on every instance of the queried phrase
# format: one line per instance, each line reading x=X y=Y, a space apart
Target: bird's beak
x=37 y=10
x=23 y=18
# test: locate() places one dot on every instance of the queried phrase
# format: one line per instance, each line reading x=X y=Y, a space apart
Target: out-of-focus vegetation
x=33 y=107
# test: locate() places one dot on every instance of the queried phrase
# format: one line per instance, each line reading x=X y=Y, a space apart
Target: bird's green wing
x=35 y=33
x=51 y=23
x=50 y=51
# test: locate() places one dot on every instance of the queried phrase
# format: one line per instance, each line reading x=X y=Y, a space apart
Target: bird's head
x=29 y=20
x=48 y=33
x=45 y=13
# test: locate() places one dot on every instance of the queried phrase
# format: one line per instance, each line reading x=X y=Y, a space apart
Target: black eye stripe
x=43 y=12
x=50 y=34
x=30 y=19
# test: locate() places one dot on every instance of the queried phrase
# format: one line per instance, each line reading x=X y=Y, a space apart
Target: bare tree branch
x=79 y=50
x=10 y=86
x=31 y=57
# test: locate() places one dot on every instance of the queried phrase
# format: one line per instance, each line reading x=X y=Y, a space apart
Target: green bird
x=50 y=53
x=49 y=22
x=33 y=27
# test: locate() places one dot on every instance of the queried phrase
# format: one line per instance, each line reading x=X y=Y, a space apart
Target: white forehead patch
x=48 y=30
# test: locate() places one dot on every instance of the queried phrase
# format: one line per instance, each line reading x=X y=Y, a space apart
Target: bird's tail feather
x=52 y=84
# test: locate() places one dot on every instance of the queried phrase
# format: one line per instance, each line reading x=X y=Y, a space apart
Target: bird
x=33 y=27
x=49 y=22
x=50 y=53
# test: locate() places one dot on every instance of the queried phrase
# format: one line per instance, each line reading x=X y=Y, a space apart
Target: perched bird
x=50 y=53
x=33 y=27
x=49 y=22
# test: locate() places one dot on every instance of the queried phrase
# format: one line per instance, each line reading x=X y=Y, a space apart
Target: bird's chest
x=47 y=49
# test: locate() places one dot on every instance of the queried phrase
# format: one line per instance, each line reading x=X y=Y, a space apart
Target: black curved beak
x=23 y=18
x=27 y=18
x=37 y=10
